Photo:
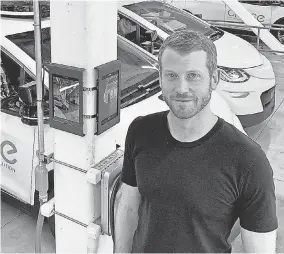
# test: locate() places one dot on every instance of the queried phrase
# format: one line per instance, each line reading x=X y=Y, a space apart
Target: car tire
x=279 y=34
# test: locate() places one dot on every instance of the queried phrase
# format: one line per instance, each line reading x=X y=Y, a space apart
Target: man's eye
x=193 y=76
x=171 y=75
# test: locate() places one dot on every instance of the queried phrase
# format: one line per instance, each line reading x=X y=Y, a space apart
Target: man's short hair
x=187 y=41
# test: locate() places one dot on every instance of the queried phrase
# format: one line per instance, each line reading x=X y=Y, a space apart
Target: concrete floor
x=18 y=229
x=270 y=135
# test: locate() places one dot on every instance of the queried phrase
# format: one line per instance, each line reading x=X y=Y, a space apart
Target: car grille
x=267 y=96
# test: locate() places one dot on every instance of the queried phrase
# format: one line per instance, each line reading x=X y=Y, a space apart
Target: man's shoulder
x=148 y=122
x=239 y=144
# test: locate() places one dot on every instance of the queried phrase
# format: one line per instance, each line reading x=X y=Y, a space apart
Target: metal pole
x=39 y=89
x=258 y=34
x=41 y=172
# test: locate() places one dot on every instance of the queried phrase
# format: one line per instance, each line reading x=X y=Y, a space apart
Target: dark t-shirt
x=193 y=192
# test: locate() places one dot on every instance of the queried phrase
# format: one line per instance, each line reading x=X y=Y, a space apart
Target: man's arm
x=257 y=207
x=126 y=217
x=254 y=242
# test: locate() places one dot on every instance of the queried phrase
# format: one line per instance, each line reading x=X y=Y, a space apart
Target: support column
x=84 y=35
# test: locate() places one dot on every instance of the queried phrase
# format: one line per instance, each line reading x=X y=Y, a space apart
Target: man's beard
x=189 y=109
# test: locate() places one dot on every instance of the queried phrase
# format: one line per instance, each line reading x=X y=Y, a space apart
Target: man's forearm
x=126 y=221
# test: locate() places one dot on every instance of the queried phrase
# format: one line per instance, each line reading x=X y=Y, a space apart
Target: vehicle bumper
x=246 y=99
x=268 y=105
x=253 y=99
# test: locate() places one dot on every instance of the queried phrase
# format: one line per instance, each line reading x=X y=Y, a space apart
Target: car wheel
x=51 y=219
x=279 y=34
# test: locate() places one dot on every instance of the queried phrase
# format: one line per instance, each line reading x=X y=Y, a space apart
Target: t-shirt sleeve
x=257 y=203
x=128 y=174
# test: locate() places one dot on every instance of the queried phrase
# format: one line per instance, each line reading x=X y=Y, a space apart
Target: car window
x=168 y=18
x=137 y=72
x=137 y=34
x=12 y=77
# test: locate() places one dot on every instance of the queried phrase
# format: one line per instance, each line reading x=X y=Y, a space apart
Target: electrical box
x=66 y=98
x=108 y=100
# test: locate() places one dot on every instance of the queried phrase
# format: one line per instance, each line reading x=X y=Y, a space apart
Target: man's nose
x=183 y=86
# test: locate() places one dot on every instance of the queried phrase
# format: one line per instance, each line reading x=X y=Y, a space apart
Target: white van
x=267 y=12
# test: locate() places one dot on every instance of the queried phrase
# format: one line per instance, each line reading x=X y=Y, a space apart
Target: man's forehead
x=172 y=53
x=172 y=59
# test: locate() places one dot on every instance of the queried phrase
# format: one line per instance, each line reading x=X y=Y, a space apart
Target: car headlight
x=233 y=75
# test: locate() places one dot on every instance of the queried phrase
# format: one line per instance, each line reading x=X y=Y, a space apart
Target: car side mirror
x=28 y=103
x=198 y=15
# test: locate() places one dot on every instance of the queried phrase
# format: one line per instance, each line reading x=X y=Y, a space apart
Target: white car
x=247 y=77
x=140 y=95
x=267 y=12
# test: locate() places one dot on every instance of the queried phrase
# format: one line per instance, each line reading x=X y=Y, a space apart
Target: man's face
x=186 y=83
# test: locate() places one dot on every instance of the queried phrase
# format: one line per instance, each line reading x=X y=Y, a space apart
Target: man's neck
x=192 y=129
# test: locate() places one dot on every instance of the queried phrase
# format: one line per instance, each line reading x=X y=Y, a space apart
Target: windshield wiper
x=138 y=88
x=147 y=91
x=216 y=34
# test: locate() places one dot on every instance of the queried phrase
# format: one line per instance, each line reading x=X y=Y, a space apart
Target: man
x=189 y=175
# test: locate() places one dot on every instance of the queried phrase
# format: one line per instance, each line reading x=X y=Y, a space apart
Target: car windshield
x=168 y=18
x=137 y=71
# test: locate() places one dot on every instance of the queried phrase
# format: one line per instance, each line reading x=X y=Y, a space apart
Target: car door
x=17 y=139
x=261 y=10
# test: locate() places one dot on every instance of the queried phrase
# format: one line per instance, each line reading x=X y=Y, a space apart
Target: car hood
x=234 y=52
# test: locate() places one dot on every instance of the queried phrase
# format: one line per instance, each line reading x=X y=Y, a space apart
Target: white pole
x=84 y=35
x=39 y=89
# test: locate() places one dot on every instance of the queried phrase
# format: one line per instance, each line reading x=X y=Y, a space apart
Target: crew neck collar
x=200 y=141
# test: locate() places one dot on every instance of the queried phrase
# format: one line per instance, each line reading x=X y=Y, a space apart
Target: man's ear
x=215 y=78
x=160 y=75
x=160 y=80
